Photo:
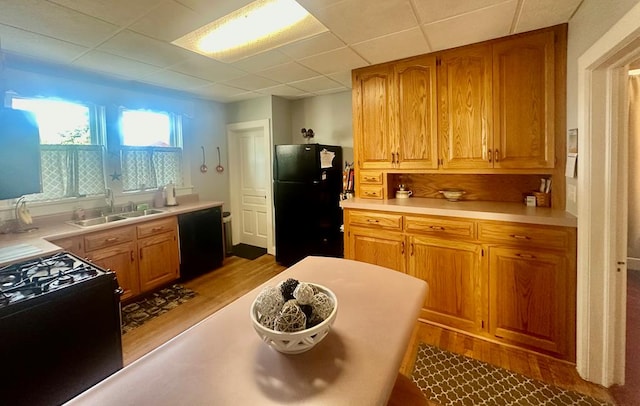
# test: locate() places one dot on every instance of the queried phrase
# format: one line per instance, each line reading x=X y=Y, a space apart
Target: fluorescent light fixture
x=254 y=28
x=634 y=72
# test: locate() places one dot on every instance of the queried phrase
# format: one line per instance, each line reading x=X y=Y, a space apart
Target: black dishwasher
x=201 y=247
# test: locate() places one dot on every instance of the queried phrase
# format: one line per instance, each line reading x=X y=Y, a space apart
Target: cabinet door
x=452 y=269
x=465 y=107
x=372 y=123
x=158 y=260
x=377 y=247
x=75 y=245
x=122 y=260
x=523 y=91
x=415 y=106
x=529 y=297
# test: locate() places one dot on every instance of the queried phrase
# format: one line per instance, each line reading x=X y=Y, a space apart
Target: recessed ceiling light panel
x=257 y=27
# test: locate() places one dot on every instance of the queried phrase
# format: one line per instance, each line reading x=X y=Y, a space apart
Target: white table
x=222 y=361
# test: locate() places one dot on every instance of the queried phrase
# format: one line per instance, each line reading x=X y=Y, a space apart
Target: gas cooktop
x=25 y=280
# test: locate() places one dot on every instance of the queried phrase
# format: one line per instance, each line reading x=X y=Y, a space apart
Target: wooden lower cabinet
x=158 y=260
x=122 y=260
x=530 y=303
x=452 y=270
x=375 y=247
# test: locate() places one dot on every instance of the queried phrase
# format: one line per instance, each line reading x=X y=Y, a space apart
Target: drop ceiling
x=131 y=39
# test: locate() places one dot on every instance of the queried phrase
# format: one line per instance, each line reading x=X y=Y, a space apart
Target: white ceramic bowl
x=452 y=195
x=299 y=341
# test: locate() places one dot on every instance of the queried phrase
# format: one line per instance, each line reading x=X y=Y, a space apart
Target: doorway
x=250 y=183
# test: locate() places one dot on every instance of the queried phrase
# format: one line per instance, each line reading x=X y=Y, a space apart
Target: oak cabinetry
x=158 y=253
x=510 y=282
x=115 y=249
x=371 y=184
x=465 y=107
x=74 y=245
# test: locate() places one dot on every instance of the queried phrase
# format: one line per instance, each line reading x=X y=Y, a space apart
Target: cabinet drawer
x=370 y=178
x=156 y=227
x=372 y=219
x=527 y=235
x=108 y=238
x=440 y=227
x=371 y=192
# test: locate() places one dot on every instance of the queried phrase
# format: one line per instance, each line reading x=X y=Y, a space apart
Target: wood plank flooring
x=238 y=276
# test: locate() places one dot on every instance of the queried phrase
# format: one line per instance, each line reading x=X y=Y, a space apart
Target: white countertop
x=16 y=247
x=498 y=211
x=222 y=361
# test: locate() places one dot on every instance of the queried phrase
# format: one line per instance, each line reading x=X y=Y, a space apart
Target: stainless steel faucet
x=109 y=199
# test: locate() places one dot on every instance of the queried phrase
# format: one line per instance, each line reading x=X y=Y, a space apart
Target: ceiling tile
x=356 y=21
x=288 y=72
x=135 y=46
x=544 y=13
x=212 y=10
x=334 y=61
x=435 y=10
x=174 y=80
x=169 y=21
x=343 y=78
x=316 y=84
x=312 y=46
x=488 y=23
x=393 y=46
x=38 y=46
x=287 y=92
x=123 y=67
x=314 y=5
x=221 y=92
x=262 y=61
x=251 y=82
x=55 y=21
x=207 y=68
x=120 y=12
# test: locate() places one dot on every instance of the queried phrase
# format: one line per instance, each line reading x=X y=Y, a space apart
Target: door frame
x=234 y=170
x=601 y=270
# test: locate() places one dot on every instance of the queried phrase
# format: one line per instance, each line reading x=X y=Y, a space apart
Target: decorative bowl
x=452 y=195
x=299 y=341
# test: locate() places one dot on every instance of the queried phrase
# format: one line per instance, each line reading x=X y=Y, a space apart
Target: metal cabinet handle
x=111 y=239
x=436 y=228
x=373 y=221
x=157 y=229
x=497 y=156
x=393 y=158
x=490 y=158
x=402 y=247
x=520 y=237
x=132 y=257
x=411 y=249
x=528 y=256
x=140 y=253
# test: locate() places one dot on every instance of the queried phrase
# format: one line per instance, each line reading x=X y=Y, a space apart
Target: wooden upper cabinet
x=523 y=97
x=416 y=144
x=465 y=107
x=372 y=122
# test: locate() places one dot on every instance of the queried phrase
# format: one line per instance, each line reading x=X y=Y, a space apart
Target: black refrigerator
x=306 y=187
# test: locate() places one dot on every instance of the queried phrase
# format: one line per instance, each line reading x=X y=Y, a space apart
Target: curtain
x=150 y=167
x=634 y=167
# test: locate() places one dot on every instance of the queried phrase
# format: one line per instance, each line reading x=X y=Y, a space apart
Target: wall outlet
x=572 y=193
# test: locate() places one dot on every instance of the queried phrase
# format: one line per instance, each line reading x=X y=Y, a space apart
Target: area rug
x=139 y=312
x=452 y=379
x=248 y=251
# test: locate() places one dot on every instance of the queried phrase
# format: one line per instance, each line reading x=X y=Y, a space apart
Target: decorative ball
x=267 y=321
x=303 y=293
x=269 y=301
x=322 y=305
x=287 y=287
x=291 y=318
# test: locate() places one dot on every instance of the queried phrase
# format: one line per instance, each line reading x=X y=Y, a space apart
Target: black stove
x=59 y=328
x=26 y=280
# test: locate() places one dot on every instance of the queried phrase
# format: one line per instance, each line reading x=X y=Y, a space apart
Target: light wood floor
x=238 y=276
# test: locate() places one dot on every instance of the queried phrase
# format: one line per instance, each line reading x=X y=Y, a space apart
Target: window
x=151 y=150
x=72 y=153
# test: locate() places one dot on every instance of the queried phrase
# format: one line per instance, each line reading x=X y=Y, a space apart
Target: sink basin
x=98 y=220
x=140 y=213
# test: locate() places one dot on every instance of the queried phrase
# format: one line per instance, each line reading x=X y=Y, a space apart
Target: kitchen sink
x=98 y=220
x=140 y=213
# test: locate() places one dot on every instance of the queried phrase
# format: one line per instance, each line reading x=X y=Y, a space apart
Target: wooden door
x=121 y=259
x=415 y=104
x=465 y=107
x=528 y=297
x=452 y=269
x=523 y=101
x=377 y=247
x=372 y=120
x=158 y=260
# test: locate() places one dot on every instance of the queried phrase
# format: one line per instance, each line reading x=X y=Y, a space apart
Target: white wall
x=330 y=118
x=591 y=21
x=249 y=110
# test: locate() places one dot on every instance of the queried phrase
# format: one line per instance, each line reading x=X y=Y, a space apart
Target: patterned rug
x=452 y=379
x=137 y=313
